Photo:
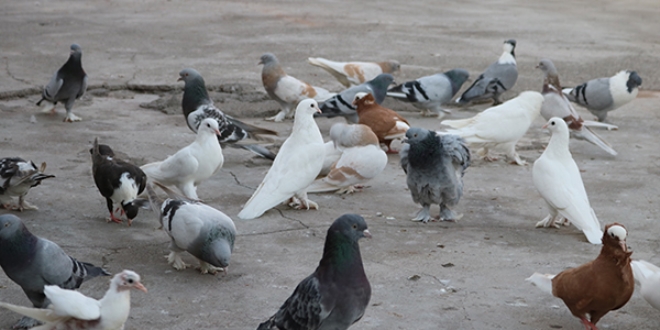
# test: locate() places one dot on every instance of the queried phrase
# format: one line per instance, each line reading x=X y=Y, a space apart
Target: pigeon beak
x=217 y=132
x=623 y=245
x=260 y=62
x=537 y=66
x=366 y=233
x=318 y=110
x=140 y=287
x=545 y=126
x=180 y=78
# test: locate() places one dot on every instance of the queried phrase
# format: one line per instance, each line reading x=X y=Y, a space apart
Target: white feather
x=647 y=275
x=542 y=281
x=619 y=90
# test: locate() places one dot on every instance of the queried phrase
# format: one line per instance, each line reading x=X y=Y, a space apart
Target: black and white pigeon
x=67 y=84
x=17 y=177
x=498 y=78
x=342 y=103
x=33 y=262
x=118 y=181
x=602 y=95
x=336 y=295
x=434 y=165
x=429 y=93
x=197 y=106
x=196 y=228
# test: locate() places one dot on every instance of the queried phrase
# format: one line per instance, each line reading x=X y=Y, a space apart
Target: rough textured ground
x=464 y=275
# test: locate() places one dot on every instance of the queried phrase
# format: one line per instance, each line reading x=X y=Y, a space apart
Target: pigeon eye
x=354 y=226
x=7 y=224
x=130 y=281
x=208 y=125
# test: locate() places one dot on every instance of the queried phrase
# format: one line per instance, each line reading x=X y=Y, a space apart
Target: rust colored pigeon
x=386 y=124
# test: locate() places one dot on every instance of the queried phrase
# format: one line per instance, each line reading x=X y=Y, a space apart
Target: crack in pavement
x=11 y=75
x=238 y=182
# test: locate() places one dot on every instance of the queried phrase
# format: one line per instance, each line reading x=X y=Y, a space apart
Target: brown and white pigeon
x=336 y=295
x=387 y=124
x=354 y=73
x=17 y=177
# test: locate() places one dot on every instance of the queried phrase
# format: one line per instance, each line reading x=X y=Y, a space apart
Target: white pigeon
x=188 y=167
x=361 y=160
x=297 y=164
x=354 y=73
x=332 y=155
x=558 y=180
x=499 y=127
x=647 y=275
x=71 y=310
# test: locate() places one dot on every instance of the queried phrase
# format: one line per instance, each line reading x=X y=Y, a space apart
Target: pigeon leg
x=588 y=325
x=423 y=215
x=175 y=260
x=448 y=215
x=306 y=203
x=70 y=117
x=48 y=108
x=389 y=149
x=24 y=205
x=206 y=268
x=26 y=323
x=189 y=190
x=512 y=154
x=114 y=219
x=278 y=117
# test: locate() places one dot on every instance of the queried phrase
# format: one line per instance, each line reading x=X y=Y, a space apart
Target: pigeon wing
x=72 y=303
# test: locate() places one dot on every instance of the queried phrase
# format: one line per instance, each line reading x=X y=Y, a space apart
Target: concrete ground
x=464 y=275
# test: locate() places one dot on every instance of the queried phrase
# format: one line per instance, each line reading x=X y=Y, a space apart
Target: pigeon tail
x=43 y=315
x=597 y=124
x=257 y=149
x=256 y=132
x=268 y=325
x=542 y=281
x=93 y=271
x=643 y=270
x=333 y=68
x=587 y=134
x=319 y=186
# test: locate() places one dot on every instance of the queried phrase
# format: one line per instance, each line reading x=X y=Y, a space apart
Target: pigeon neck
x=115 y=306
x=305 y=126
x=558 y=144
x=73 y=65
x=551 y=79
x=340 y=253
x=423 y=151
x=194 y=95
x=507 y=58
x=18 y=250
x=615 y=254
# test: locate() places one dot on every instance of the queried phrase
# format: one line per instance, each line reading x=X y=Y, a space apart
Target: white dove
x=500 y=127
x=354 y=73
x=558 y=180
x=297 y=164
x=188 y=167
x=71 y=310
x=647 y=275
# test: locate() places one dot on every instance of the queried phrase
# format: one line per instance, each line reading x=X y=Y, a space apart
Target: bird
x=429 y=93
x=498 y=78
x=387 y=124
x=117 y=180
x=354 y=73
x=67 y=84
x=188 y=167
x=647 y=275
x=197 y=106
x=556 y=104
x=342 y=103
x=361 y=159
x=603 y=95
x=500 y=127
x=331 y=156
x=17 y=177
x=336 y=295
x=34 y=262
x=298 y=163
x=285 y=89
x=196 y=228
x=597 y=287
x=434 y=165
x=70 y=309
x=557 y=178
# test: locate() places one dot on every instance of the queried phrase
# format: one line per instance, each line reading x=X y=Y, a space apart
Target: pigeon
x=429 y=93
x=299 y=161
x=342 y=103
x=196 y=228
x=336 y=295
x=287 y=90
x=71 y=310
x=118 y=181
x=498 y=78
x=558 y=180
x=387 y=124
x=188 y=167
x=556 y=104
x=17 y=176
x=33 y=262
x=354 y=73
x=647 y=275
x=332 y=155
x=67 y=84
x=500 y=127
x=361 y=160
x=602 y=95
x=597 y=287
x=197 y=106
x=434 y=165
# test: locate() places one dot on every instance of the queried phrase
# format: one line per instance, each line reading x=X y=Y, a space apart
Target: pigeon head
x=104 y=150
x=510 y=46
x=382 y=81
x=547 y=67
x=209 y=126
x=268 y=58
x=76 y=50
x=634 y=80
x=307 y=107
x=390 y=66
x=457 y=77
x=415 y=135
x=363 y=98
x=556 y=124
x=615 y=236
x=127 y=280
x=131 y=209
x=9 y=224
x=351 y=226
x=189 y=74
x=218 y=251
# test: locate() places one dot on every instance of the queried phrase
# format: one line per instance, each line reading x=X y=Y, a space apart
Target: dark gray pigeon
x=336 y=295
x=17 y=177
x=498 y=78
x=434 y=165
x=33 y=262
x=342 y=103
x=197 y=106
x=67 y=84
x=429 y=93
x=602 y=95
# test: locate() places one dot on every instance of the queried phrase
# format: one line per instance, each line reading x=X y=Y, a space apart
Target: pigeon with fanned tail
x=556 y=104
x=354 y=73
x=197 y=106
x=17 y=177
x=337 y=294
x=342 y=103
x=647 y=275
x=67 y=84
x=429 y=93
x=33 y=262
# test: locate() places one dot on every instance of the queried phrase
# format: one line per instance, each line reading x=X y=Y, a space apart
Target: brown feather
x=381 y=120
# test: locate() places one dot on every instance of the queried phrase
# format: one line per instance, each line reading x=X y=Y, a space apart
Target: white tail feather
x=43 y=315
x=542 y=281
x=642 y=270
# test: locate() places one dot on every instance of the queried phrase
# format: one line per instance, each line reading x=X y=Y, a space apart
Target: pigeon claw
x=206 y=268
x=70 y=118
x=175 y=260
x=115 y=219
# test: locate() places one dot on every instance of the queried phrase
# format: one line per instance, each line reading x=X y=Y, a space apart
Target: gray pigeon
x=434 y=165
x=602 y=95
x=336 y=295
x=33 y=262
x=498 y=78
x=431 y=92
x=17 y=177
x=342 y=103
x=197 y=106
x=67 y=84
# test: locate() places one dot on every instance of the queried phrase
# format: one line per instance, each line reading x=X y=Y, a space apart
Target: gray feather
x=430 y=92
x=495 y=80
x=342 y=103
